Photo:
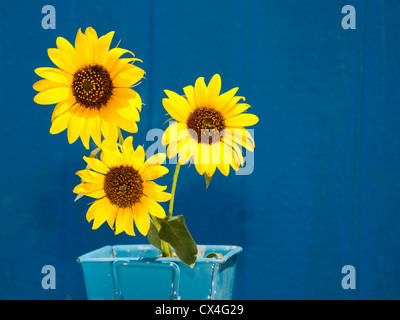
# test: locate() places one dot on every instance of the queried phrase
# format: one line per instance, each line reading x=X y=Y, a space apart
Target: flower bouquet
x=92 y=88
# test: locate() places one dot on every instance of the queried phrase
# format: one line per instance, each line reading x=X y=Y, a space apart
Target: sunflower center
x=123 y=186
x=207 y=123
x=92 y=86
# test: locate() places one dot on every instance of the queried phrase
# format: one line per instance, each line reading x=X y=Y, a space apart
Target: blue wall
x=325 y=189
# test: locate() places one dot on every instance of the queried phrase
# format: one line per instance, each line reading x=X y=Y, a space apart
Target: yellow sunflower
x=209 y=128
x=91 y=87
x=122 y=184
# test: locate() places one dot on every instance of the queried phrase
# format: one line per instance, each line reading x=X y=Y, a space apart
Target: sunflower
x=91 y=87
x=122 y=184
x=210 y=127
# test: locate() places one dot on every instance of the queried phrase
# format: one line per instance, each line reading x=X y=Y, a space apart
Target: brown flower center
x=92 y=86
x=123 y=186
x=207 y=123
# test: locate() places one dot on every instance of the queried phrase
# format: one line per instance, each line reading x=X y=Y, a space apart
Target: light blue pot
x=135 y=272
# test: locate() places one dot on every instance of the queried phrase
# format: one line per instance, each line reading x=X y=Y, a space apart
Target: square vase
x=137 y=272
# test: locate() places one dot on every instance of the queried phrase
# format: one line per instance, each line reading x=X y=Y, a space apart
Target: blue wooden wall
x=326 y=184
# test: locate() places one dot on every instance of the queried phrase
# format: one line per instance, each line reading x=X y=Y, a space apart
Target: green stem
x=166 y=249
x=174 y=181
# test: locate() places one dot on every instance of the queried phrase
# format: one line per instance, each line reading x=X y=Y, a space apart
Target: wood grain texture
x=325 y=188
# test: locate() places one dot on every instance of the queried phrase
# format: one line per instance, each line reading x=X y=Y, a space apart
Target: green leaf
x=152 y=236
x=208 y=179
x=174 y=231
x=214 y=255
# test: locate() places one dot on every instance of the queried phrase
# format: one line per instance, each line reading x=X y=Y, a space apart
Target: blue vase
x=137 y=272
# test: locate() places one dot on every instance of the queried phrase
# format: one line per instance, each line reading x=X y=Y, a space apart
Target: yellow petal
x=239 y=135
x=47 y=84
x=153 y=207
x=155 y=159
x=181 y=102
x=60 y=123
x=186 y=150
x=76 y=124
x=201 y=93
x=214 y=88
x=123 y=108
x=96 y=208
x=62 y=60
x=174 y=110
x=91 y=36
x=86 y=188
x=113 y=55
x=210 y=169
x=242 y=120
x=54 y=74
x=96 y=130
x=91 y=176
x=230 y=106
x=108 y=125
x=127 y=149
x=124 y=221
x=96 y=165
x=102 y=212
x=172 y=132
x=154 y=186
x=62 y=107
x=237 y=154
x=141 y=218
x=224 y=99
x=224 y=168
x=189 y=93
x=103 y=45
x=91 y=128
x=111 y=158
x=53 y=95
x=152 y=172
x=128 y=77
x=237 y=109
x=82 y=49
x=64 y=45
x=155 y=194
x=122 y=122
x=201 y=169
x=138 y=158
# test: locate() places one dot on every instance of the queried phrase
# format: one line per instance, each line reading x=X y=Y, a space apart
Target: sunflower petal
x=138 y=158
x=153 y=207
x=141 y=218
x=101 y=212
x=76 y=124
x=96 y=165
x=242 y=120
x=62 y=60
x=214 y=88
x=201 y=93
x=173 y=109
x=103 y=45
x=124 y=221
x=54 y=74
x=90 y=176
x=128 y=77
x=152 y=172
x=155 y=194
x=60 y=123
x=53 y=95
